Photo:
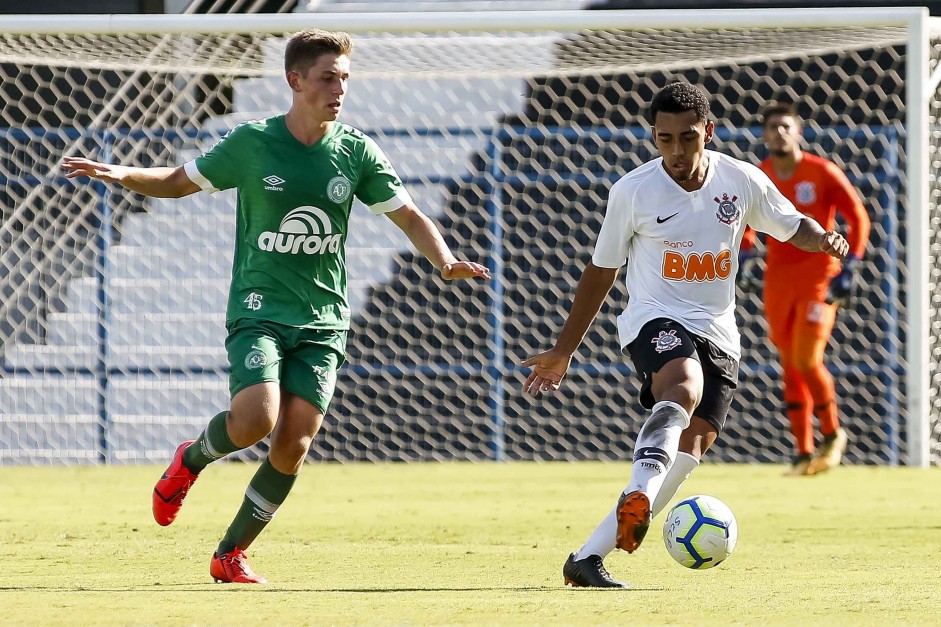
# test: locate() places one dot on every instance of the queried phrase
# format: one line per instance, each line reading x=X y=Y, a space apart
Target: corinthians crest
x=667 y=340
x=805 y=193
x=727 y=212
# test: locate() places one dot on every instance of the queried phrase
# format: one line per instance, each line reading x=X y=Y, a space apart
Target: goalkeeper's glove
x=747 y=277
x=841 y=286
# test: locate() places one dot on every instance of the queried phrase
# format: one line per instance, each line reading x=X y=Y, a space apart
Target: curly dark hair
x=679 y=97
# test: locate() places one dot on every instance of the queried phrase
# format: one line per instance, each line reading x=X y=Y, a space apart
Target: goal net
x=509 y=129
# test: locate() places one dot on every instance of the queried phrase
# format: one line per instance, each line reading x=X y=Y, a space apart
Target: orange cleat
x=172 y=487
x=633 y=520
x=233 y=567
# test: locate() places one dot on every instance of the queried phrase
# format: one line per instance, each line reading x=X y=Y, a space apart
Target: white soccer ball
x=700 y=532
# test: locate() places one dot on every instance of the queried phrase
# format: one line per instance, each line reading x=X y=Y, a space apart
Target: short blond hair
x=305 y=47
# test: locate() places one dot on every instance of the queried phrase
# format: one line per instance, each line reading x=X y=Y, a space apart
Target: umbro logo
x=273 y=183
x=662 y=220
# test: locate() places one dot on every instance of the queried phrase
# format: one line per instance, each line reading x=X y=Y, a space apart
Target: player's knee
x=263 y=426
x=297 y=448
x=252 y=423
x=288 y=453
x=681 y=382
x=686 y=394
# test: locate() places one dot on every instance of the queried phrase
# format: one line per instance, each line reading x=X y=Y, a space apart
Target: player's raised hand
x=79 y=166
x=548 y=369
x=834 y=245
x=464 y=270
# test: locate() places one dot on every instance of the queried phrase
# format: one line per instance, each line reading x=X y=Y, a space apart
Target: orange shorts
x=797 y=309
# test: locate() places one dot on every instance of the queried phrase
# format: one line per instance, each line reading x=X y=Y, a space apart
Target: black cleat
x=588 y=573
x=633 y=520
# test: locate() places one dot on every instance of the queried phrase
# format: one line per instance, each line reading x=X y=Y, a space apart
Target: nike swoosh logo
x=167 y=499
x=662 y=220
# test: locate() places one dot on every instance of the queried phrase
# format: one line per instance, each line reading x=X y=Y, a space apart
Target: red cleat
x=172 y=487
x=233 y=567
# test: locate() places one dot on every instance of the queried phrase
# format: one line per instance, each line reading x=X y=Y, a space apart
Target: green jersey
x=293 y=216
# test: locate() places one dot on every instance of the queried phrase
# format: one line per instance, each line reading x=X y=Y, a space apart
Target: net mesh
x=112 y=305
x=934 y=262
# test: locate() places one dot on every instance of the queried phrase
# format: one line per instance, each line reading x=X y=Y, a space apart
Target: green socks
x=265 y=493
x=212 y=444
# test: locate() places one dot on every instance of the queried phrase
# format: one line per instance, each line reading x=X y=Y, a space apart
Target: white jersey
x=682 y=247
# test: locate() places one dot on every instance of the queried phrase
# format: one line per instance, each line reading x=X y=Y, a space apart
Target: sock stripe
x=208 y=449
x=654 y=454
x=261 y=502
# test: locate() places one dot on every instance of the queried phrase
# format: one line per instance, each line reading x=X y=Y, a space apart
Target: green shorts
x=303 y=361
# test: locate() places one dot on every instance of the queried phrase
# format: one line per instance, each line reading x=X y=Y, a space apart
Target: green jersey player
x=296 y=175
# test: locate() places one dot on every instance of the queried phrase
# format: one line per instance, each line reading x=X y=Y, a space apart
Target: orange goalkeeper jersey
x=819 y=189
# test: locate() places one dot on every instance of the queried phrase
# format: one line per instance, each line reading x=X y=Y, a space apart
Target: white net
x=934 y=264
x=113 y=305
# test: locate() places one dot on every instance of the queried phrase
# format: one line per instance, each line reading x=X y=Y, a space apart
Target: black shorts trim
x=662 y=340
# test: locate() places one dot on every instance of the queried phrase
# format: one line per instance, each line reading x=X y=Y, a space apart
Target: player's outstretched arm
x=549 y=367
x=811 y=237
x=422 y=232
x=154 y=182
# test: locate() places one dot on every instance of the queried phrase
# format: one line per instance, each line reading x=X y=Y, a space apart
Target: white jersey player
x=681 y=243
x=677 y=222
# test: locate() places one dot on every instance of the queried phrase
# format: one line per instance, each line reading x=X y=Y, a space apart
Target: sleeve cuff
x=192 y=171
x=398 y=201
x=793 y=231
x=604 y=263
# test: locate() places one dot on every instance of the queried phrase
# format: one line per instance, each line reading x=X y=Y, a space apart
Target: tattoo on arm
x=809 y=236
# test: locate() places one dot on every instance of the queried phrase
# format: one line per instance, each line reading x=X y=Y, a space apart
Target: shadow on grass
x=204 y=587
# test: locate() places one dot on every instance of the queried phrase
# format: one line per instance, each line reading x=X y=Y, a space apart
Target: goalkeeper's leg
x=783 y=309
x=797 y=401
x=811 y=335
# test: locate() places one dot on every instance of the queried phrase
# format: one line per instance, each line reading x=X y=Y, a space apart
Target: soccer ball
x=700 y=532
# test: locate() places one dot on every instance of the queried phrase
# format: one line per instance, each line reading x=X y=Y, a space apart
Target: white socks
x=649 y=474
x=680 y=471
x=656 y=448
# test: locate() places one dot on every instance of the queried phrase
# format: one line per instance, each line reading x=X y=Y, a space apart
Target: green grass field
x=466 y=544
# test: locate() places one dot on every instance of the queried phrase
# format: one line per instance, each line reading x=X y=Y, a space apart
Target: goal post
x=509 y=128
